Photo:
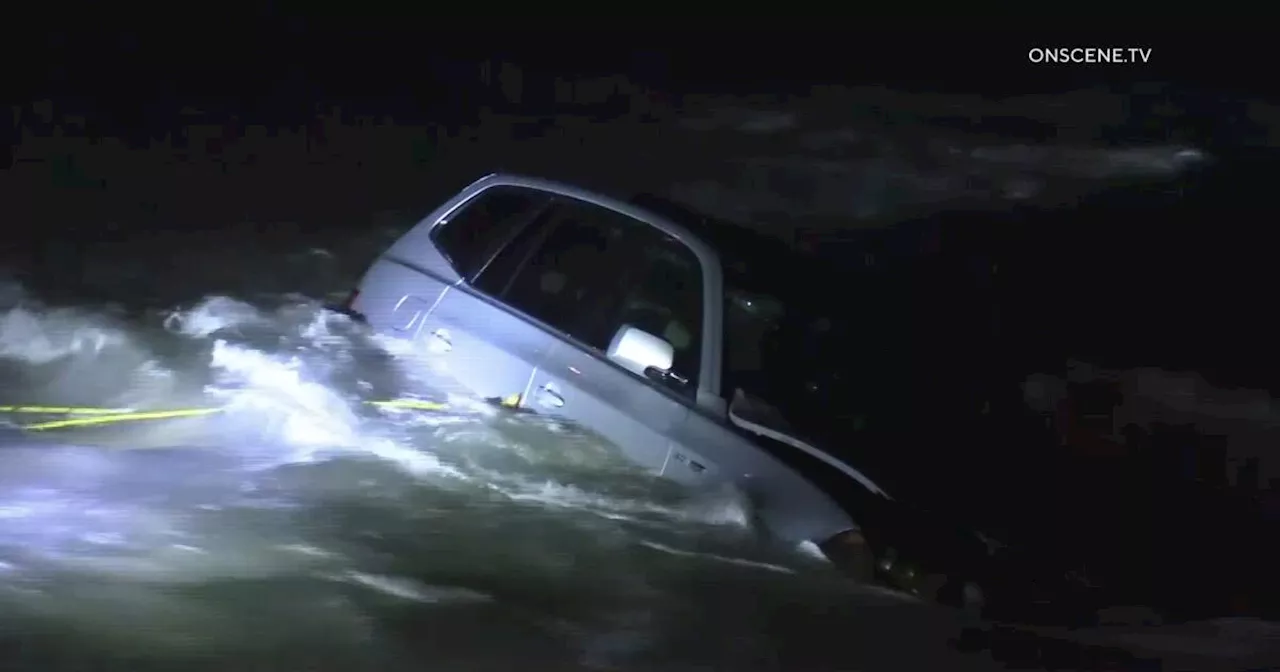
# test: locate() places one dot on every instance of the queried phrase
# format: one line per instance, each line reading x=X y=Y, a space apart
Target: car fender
x=787 y=506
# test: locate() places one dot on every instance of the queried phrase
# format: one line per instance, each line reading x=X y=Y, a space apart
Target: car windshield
x=751 y=317
x=820 y=345
x=782 y=322
x=800 y=333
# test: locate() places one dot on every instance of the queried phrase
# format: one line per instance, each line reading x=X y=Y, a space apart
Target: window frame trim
x=708 y=396
x=504 y=241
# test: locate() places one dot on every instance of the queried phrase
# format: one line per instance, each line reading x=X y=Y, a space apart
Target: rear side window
x=474 y=233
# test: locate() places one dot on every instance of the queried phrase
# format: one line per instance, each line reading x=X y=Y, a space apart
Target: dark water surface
x=301 y=528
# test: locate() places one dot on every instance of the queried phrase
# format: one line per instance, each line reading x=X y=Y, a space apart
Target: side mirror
x=638 y=351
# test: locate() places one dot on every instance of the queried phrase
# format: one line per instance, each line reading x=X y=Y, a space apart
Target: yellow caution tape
x=416 y=404
x=65 y=410
x=104 y=416
x=122 y=417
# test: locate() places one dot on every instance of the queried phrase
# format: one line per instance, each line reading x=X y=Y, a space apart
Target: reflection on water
x=302 y=525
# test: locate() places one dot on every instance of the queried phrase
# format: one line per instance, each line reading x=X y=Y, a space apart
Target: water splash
x=298 y=482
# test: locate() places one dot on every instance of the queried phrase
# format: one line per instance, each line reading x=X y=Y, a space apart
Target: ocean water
x=299 y=527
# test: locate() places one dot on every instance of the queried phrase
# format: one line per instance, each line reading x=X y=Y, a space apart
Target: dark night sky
x=117 y=68
x=234 y=52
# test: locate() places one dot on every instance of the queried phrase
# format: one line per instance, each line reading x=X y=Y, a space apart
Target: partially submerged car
x=662 y=336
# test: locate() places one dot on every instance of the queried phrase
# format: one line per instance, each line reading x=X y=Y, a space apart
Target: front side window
x=474 y=232
x=591 y=270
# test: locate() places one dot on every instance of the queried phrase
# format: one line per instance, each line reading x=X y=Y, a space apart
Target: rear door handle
x=440 y=341
x=549 y=397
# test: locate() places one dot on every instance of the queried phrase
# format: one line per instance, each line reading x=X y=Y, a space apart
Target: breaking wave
x=310 y=509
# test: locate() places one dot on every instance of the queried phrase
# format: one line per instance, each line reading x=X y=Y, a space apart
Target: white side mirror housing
x=637 y=350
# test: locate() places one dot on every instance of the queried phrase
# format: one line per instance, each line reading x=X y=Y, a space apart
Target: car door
x=477 y=347
x=592 y=270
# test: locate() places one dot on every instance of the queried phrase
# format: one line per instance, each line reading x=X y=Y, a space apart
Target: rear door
x=475 y=346
x=588 y=271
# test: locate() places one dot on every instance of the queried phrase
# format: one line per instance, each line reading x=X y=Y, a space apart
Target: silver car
x=588 y=308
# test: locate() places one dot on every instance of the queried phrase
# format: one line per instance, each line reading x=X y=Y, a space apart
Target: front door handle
x=549 y=397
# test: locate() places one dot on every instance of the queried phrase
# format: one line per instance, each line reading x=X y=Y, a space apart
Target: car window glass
x=474 y=233
x=751 y=325
x=793 y=341
x=593 y=270
x=754 y=311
